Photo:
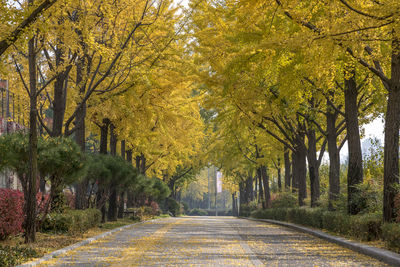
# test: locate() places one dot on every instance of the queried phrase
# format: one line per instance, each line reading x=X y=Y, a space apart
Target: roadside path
x=210 y=241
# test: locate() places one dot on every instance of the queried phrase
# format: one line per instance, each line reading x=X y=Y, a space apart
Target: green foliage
x=366 y=227
x=57 y=157
x=246 y=209
x=284 y=200
x=336 y=222
x=159 y=190
x=391 y=235
x=71 y=221
x=60 y=157
x=12 y=256
x=172 y=206
x=198 y=212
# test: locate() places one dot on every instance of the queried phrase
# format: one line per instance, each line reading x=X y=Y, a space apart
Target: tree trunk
x=278 y=169
x=121 y=205
x=300 y=168
x=391 y=149
x=261 y=187
x=313 y=167
x=355 y=171
x=80 y=134
x=104 y=136
x=112 y=202
x=103 y=150
x=286 y=157
x=295 y=183
x=265 y=178
x=130 y=198
x=30 y=199
x=234 y=209
x=142 y=164
x=123 y=149
x=334 y=158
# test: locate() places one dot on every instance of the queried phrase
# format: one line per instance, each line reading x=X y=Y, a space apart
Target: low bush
x=197 y=212
x=246 y=209
x=366 y=227
x=71 y=221
x=173 y=207
x=12 y=256
x=336 y=222
x=284 y=200
x=272 y=214
x=391 y=235
x=11 y=212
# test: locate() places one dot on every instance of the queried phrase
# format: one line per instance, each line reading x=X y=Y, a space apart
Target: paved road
x=210 y=241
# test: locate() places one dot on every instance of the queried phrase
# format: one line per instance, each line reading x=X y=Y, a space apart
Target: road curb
x=79 y=244
x=374 y=252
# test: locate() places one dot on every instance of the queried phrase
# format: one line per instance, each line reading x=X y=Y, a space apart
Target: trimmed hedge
x=391 y=235
x=197 y=212
x=71 y=221
x=366 y=227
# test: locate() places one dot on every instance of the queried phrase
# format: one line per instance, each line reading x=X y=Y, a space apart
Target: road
x=210 y=241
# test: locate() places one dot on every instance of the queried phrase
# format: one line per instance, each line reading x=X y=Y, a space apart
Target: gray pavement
x=210 y=241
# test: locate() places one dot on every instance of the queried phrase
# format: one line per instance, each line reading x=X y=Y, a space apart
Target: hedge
x=366 y=227
x=71 y=221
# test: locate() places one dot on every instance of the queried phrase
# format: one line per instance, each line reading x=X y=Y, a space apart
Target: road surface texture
x=210 y=241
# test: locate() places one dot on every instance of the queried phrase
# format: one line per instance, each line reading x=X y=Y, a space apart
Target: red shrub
x=11 y=212
x=69 y=199
x=155 y=209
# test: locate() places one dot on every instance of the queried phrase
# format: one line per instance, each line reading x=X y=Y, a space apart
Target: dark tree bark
x=267 y=193
x=100 y=195
x=30 y=198
x=81 y=188
x=313 y=168
x=112 y=202
x=299 y=168
x=248 y=189
x=295 y=183
x=234 y=208
x=122 y=193
x=261 y=187
x=334 y=157
x=355 y=171
x=60 y=92
x=142 y=164
x=278 y=169
x=391 y=147
x=288 y=164
x=130 y=197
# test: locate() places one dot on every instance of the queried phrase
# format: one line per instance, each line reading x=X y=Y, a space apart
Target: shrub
x=12 y=256
x=391 y=235
x=272 y=214
x=155 y=209
x=284 y=200
x=198 y=212
x=173 y=206
x=246 y=209
x=71 y=221
x=11 y=212
x=366 y=227
x=336 y=222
